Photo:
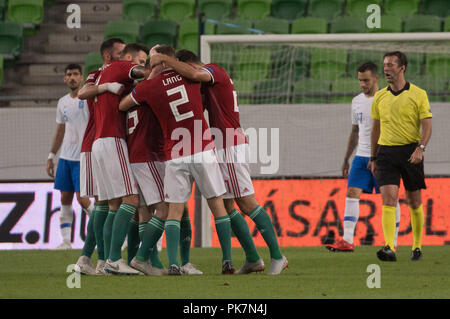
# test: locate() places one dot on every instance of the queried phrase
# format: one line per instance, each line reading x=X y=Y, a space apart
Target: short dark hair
x=402 y=60
x=73 y=66
x=134 y=48
x=166 y=49
x=187 y=56
x=108 y=44
x=368 y=66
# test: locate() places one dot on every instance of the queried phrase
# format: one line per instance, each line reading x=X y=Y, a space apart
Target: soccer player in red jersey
x=189 y=148
x=110 y=51
x=115 y=181
x=221 y=102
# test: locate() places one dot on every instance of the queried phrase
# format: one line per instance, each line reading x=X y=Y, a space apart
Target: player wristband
x=51 y=155
x=372 y=158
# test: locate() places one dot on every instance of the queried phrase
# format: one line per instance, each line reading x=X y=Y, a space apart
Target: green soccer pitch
x=313 y=272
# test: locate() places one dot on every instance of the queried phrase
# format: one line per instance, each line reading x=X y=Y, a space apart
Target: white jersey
x=74 y=113
x=361 y=105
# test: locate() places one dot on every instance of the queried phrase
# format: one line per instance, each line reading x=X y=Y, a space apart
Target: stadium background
x=310 y=106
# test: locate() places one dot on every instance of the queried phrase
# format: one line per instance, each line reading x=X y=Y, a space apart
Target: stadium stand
x=27 y=12
x=159 y=32
x=92 y=62
x=432 y=85
x=389 y=24
x=252 y=64
x=240 y=27
x=348 y=87
x=317 y=89
x=436 y=7
x=188 y=34
x=447 y=24
x=328 y=64
x=358 y=8
x=128 y=31
x=401 y=8
x=139 y=10
x=358 y=57
x=2 y=9
x=177 y=10
x=253 y=9
x=348 y=24
x=438 y=65
x=309 y=25
x=272 y=25
x=327 y=9
x=423 y=23
x=415 y=64
x=272 y=91
x=289 y=9
x=215 y=9
x=245 y=89
x=11 y=37
x=1 y=70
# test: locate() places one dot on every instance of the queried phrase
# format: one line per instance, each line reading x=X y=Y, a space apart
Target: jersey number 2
x=174 y=104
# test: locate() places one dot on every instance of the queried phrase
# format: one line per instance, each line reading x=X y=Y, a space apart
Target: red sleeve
x=216 y=74
x=126 y=69
x=92 y=77
x=139 y=93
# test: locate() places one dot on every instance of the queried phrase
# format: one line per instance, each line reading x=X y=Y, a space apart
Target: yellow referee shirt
x=400 y=114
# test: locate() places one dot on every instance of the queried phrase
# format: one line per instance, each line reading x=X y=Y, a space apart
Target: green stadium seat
x=273 y=25
x=358 y=8
x=253 y=9
x=92 y=62
x=241 y=27
x=2 y=9
x=423 y=23
x=26 y=11
x=11 y=37
x=139 y=10
x=432 y=85
x=244 y=91
x=348 y=24
x=328 y=64
x=436 y=7
x=188 y=34
x=401 y=8
x=215 y=9
x=1 y=70
x=447 y=24
x=312 y=91
x=289 y=9
x=224 y=57
x=438 y=65
x=159 y=32
x=389 y=24
x=177 y=10
x=358 y=57
x=327 y=9
x=348 y=88
x=128 y=31
x=252 y=64
x=302 y=63
x=273 y=91
x=415 y=64
x=309 y=25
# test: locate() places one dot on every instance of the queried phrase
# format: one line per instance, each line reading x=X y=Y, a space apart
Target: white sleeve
x=354 y=115
x=59 y=114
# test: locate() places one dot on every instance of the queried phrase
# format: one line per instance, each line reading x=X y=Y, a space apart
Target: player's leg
x=133 y=239
x=101 y=214
x=185 y=244
x=113 y=205
x=397 y=222
x=172 y=229
x=417 y=220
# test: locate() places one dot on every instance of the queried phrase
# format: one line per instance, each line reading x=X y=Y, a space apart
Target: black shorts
x=392 y=164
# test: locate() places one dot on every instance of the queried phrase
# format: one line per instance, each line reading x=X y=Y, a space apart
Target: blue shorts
x=68 y=176
x=361 y=177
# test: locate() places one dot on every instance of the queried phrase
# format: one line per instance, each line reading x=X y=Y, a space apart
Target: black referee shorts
x=392 y=164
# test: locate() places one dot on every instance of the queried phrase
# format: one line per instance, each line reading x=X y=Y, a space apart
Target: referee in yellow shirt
x=399 y=111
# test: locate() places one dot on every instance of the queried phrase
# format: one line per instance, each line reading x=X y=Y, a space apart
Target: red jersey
x=177 y=104
x=145 y=139
x=221 y=103
x=89 y=133
x=109 y=120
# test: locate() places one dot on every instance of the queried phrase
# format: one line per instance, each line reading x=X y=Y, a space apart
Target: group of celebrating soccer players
x=147 y=140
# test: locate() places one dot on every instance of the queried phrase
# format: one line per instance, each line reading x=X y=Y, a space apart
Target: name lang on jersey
x=172 y=80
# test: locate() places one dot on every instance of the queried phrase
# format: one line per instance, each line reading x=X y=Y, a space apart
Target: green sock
x=133 y=239
x=152 y=231
x=101 y=213
x=185 y=240
x=242 y=232
x=107 y=231
x=223 y=229
x=265 y=227
x=89 y=243
x=119 y=230
x=154 y=257
x=172 y=229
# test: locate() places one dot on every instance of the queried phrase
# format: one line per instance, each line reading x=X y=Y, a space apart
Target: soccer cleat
x=386 y=254
x=120 y=267
x=100 y=269
x=278 y=265
x=189 y=269
x=174 y=270
x=248 y=267
x=416 y=254
x=84 y=266
x=227 y=268
x=155 y=271
x=64 y=246
x=341 y=245
x=142 y=266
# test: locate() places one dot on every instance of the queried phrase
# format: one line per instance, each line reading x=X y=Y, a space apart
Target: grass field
x=313 y=272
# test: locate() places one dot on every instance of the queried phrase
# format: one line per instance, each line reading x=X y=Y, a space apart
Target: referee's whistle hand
x=416 y=157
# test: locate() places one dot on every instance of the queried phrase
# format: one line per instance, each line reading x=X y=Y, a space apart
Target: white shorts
x=182 y=172
x=233 y=162
x=112 y=170
x=88 y=186
x=150 y=179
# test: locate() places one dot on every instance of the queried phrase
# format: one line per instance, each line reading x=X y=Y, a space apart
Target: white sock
x=89 y=209
x=66 y=220
x=397 y=222
x=351 y=216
